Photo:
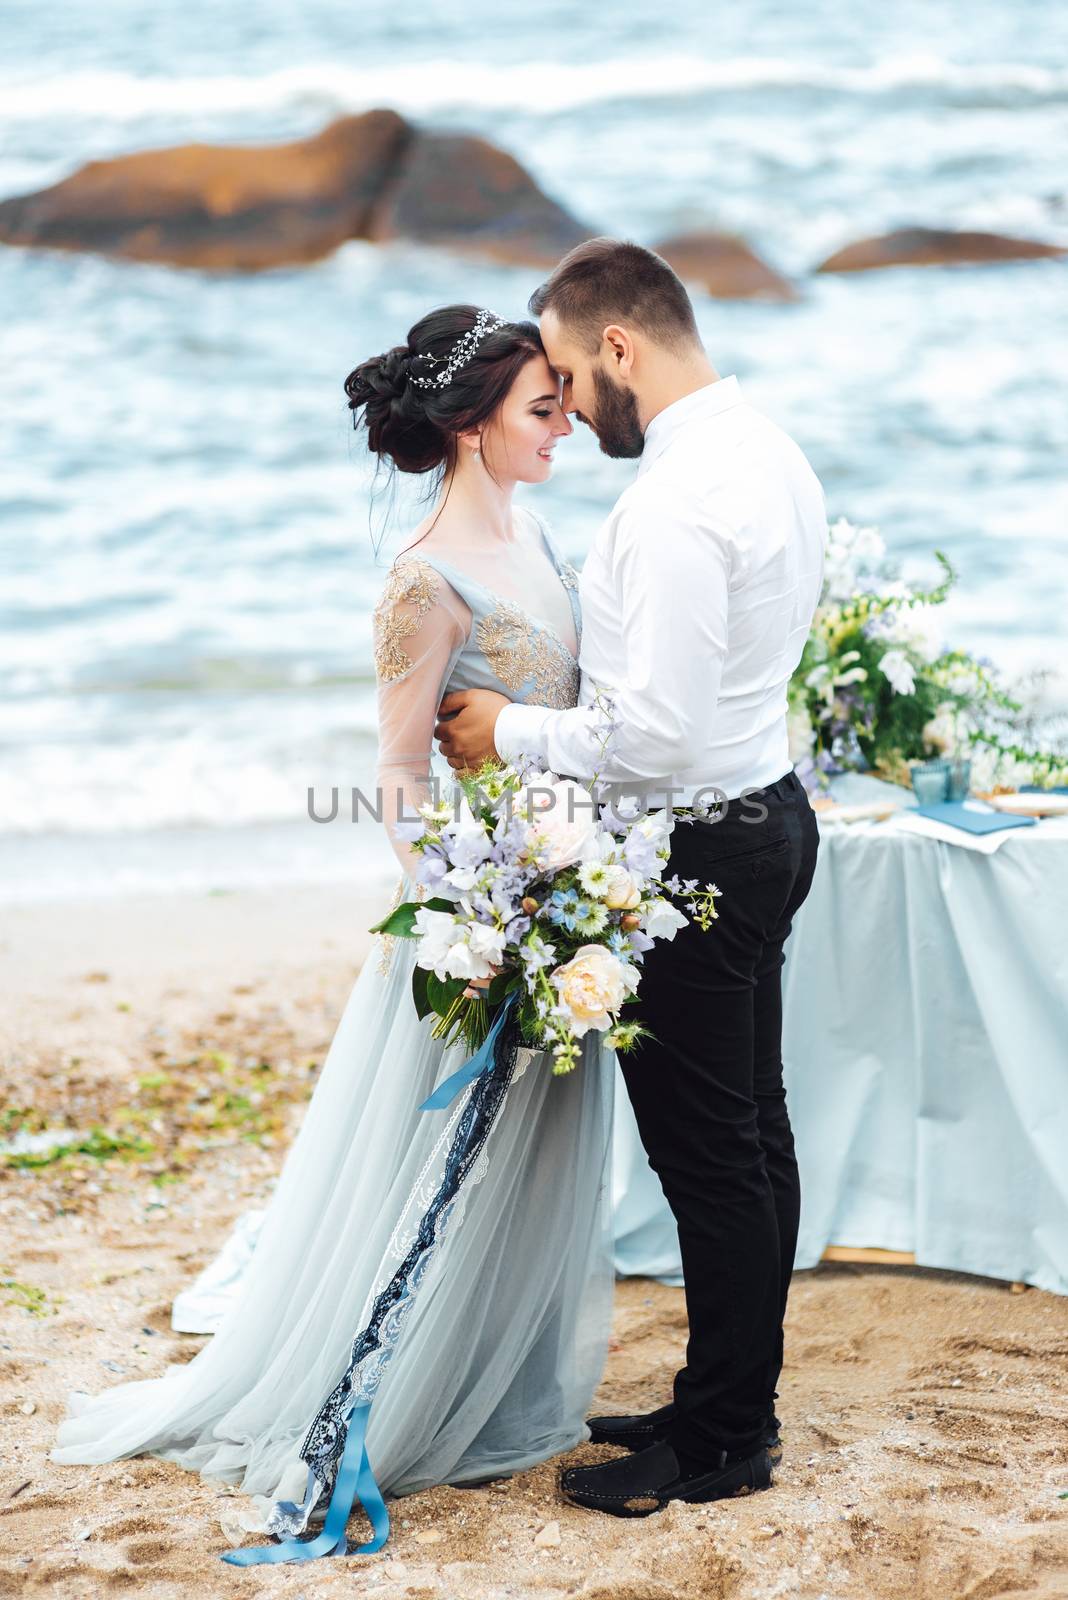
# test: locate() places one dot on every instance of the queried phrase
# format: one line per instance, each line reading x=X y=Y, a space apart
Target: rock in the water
x=244 y=208
x=222 y=207
x=934 y=247
x=724 y=266
x=459 y=191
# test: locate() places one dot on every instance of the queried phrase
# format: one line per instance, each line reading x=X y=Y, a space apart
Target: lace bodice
x=506 y=619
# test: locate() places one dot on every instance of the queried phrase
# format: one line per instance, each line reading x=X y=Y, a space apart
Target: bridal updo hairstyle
x=415 y=428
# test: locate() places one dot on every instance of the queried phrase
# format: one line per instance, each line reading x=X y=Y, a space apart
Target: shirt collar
x=703 y=402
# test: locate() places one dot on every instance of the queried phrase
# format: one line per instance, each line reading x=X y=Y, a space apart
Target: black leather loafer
x=651 y=1427
x=643 y=1483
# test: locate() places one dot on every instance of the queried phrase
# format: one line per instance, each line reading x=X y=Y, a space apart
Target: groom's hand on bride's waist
x=464 y=729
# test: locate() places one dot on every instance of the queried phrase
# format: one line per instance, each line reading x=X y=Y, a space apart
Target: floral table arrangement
x=876 y=690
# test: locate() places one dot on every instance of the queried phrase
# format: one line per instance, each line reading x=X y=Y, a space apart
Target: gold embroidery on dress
x=410 y=583
x=388 y=940
x=522 y=654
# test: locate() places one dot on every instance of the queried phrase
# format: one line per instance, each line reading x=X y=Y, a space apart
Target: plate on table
x=872 y=811
x=1030 y=805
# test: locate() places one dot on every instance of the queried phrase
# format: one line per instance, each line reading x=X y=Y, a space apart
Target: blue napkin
x=1034 y=788
x=957 y=815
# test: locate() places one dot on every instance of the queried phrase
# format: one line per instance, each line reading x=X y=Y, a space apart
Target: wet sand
x=925 y=1414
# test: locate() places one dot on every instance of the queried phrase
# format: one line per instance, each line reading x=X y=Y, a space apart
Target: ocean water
x=189 y=535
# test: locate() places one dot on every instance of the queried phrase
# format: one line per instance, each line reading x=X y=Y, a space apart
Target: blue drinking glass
x=960 y=779
x=930 y=781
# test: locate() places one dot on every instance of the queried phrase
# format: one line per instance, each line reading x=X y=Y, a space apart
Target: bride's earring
x=476 y=455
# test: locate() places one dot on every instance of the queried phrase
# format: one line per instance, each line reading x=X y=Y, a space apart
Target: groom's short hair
x=612 y=280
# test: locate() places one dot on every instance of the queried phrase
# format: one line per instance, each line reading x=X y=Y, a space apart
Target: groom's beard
x=616 y=423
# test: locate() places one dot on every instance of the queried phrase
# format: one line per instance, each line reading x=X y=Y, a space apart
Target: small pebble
x=27 y=1408
x=430 y=1536
x=548 y=1538
x=396 y=1569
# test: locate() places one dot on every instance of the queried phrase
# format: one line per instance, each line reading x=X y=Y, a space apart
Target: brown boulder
x=225 y=207
x=724 y=266
x=242 y=208
x=459 y=191
x=934 y=247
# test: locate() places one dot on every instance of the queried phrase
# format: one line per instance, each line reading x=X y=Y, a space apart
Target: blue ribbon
x=480 y=1062
x=354 y=1477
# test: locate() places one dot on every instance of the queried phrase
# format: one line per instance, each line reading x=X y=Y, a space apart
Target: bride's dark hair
x=414 y=427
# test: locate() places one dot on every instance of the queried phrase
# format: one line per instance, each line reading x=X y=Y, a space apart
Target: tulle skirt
x=505 y=1339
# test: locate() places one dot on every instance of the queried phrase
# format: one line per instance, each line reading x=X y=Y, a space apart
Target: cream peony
x=563 y=815
x=593 y=985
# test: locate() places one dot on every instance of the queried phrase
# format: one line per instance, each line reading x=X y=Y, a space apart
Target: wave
x=538 y=87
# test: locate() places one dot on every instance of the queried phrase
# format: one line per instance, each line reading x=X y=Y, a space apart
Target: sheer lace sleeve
x=420 y=625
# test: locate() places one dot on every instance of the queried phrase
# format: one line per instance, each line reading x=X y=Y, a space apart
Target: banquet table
x=925 y=1052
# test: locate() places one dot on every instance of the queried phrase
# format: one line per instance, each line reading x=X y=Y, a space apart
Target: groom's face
x=591 y=393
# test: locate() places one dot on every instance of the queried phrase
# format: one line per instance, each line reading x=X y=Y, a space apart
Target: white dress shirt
x=697 y=598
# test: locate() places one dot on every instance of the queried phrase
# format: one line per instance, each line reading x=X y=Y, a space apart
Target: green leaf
x=401 y=922
x=420 y=994
x=441 y=992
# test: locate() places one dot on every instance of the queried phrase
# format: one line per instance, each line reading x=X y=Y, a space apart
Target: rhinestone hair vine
x=485 y=323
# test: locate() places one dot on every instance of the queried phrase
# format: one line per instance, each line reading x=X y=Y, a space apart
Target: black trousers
x=711 y=1109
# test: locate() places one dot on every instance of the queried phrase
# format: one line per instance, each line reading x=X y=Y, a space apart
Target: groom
x=697 y=598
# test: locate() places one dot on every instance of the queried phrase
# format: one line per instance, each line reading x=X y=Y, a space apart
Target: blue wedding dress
x=475 y=1318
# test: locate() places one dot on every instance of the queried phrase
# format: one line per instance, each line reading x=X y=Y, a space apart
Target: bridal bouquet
x=877 y=688
x=532 y=889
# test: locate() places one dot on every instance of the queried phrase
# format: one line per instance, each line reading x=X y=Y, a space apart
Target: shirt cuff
x=519 y=730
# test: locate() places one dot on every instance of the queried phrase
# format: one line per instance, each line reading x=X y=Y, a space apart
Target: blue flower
x=562 y=908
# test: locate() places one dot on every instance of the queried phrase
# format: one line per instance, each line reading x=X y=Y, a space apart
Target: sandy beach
x=924 y=1413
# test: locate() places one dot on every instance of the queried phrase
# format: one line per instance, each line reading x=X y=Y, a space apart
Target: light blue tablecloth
x=926 y=1059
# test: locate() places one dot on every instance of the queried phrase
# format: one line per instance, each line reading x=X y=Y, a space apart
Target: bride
x=506 y=1317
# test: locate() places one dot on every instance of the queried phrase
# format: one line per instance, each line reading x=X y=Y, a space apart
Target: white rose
x=593 y=985
x=564 y=818
x=621 y=892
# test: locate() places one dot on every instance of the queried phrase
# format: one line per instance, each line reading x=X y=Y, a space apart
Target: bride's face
x=519 y=442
